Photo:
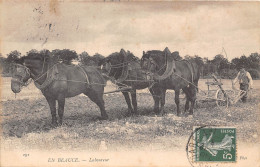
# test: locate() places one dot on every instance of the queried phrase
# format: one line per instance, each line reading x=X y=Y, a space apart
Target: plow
x=215 y=92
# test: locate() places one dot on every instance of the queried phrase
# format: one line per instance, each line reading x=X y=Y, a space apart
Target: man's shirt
x=241 y=80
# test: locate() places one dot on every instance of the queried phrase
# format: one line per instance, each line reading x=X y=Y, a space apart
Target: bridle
x=119 y=65
x=107 y=70
x=21 y=73
x=150 y=61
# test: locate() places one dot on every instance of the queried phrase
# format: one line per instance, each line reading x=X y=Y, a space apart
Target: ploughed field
x=26 y=121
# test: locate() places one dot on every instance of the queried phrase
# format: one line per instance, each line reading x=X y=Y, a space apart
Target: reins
x=121 y=64
x=42 y=70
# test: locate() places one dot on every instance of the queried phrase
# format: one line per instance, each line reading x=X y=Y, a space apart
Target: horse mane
x=131 y=56
x=157 y=55
x=115 y=55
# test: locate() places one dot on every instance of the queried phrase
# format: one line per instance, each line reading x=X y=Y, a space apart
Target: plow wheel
x=221 y=100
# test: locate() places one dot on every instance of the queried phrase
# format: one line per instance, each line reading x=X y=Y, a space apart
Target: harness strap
x=84 y=74
x=124 y=74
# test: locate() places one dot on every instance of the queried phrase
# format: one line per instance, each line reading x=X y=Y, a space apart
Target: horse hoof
x=163 y=113
x=136 y=112
x=104 y=118
x=160 y=114
x=54 y=125
x=128 y=114
x=130 y=111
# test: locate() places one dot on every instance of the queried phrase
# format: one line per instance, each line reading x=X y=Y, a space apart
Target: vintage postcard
x=129 y=83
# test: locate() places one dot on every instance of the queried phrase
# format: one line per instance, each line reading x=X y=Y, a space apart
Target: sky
x=192 y=28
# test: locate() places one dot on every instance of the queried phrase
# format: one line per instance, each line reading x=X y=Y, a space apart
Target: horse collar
x=51 y=76
x=124 y=74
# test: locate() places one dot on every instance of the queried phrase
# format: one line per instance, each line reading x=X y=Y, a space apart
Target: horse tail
x=196 y=71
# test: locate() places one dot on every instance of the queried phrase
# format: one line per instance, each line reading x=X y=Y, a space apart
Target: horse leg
x=192 y=98
x=163 y=101
x=52 y=104
x=98 y=99
x=128 y=102
x=177 y=101
x=156 y=98
x=187 y=104
x=134 y=101
x=61 y=103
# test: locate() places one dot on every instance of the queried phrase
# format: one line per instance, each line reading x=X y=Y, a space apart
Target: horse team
x=157 y=71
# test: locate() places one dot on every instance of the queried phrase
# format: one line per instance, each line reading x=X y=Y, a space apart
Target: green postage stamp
x=214 y=144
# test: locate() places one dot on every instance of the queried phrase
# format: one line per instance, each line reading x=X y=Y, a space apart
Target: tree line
x=219 y=65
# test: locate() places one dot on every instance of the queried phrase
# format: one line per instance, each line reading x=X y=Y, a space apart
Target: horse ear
x=143 y=52
x=168 y=54
x=167 y=51
x=122 y=52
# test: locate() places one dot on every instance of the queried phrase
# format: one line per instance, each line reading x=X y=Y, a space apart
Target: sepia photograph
x=129 y=83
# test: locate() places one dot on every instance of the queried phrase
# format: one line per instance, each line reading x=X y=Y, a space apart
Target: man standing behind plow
x=245 y=81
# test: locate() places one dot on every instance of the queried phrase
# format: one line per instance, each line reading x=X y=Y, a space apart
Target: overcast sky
x=200 y=28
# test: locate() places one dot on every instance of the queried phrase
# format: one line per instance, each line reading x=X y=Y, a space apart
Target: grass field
x=26 y=122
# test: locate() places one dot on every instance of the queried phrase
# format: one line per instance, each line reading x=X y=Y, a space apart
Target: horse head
x=34 y=65
x=20 y=77
x=148 y=63
x=156 y=61
x=112 y=65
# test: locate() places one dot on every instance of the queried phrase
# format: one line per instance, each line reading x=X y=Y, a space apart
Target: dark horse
x=58 y=81
x=124 y=70
x=171 y=74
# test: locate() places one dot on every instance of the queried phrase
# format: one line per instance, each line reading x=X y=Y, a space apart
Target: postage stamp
x=212 y=144
x=215 y=144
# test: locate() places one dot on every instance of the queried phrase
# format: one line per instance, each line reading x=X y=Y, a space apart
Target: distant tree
x=217 y=59
x=241 y=62
x=66 y=56
x=13 y=56
x=251 y=63
x=244 y=62
x=97 y=58
x=235 y=63
x=32 y=51
x=45 y=52
x=198 y=60
x=188 y=57
x=85 y=59
x=254 y=60
x=3 y=65
x=221 y=63
x=255 y=74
